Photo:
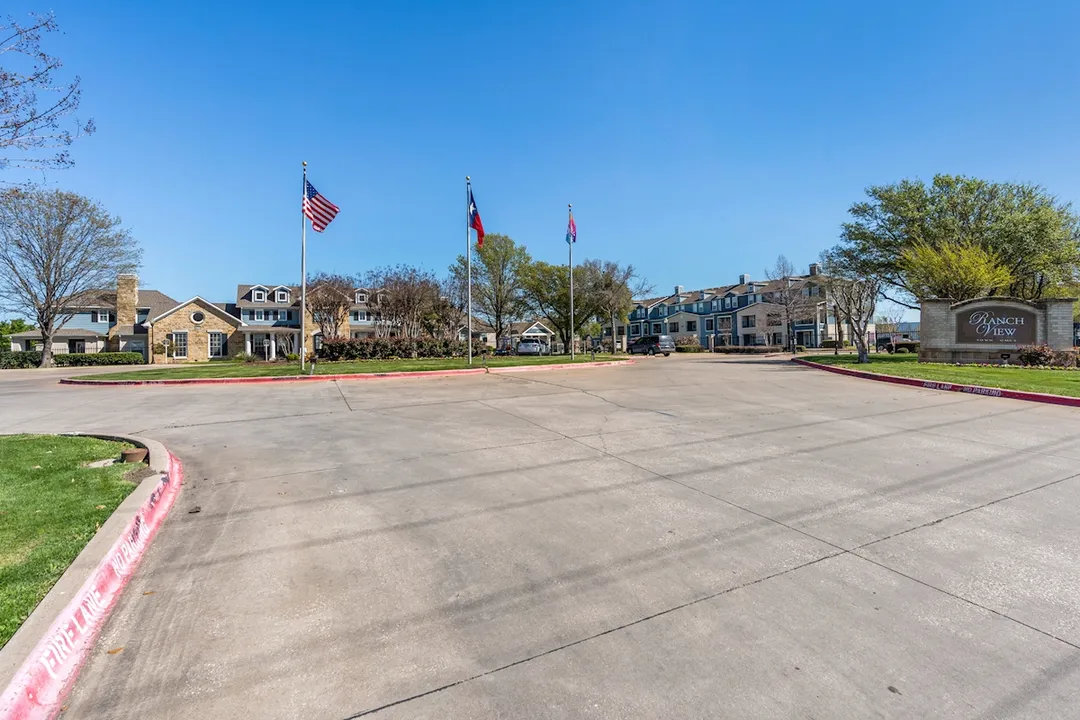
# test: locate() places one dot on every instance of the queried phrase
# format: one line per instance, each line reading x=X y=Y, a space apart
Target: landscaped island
x=243 y=370
x=1028 y=379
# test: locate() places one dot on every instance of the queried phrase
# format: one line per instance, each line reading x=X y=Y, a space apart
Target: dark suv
x=652 y=344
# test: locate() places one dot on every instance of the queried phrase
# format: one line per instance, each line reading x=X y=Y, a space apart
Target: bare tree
x=54 y=247
x=404 y=296
x=329 y=299
x=29 y=123
x=447 y=313
x=854 y=297
x=617 y=286
x=787 y=291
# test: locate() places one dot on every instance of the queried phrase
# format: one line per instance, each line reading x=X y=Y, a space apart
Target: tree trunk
x=46 y=351
x=614 y=336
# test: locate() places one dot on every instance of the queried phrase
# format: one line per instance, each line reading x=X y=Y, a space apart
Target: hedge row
x=390 y=348
x=748 y=349
x=689 y=348
x=32 y=358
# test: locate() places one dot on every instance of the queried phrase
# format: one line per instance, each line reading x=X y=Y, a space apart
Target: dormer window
x=258 y=296
x=282 y=296
x=361 y=297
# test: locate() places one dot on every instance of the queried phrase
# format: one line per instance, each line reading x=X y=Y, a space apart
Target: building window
x=657 y=328
x=178 y=340
x=283 y=296
x=260 y=315
x=709 y=325
x=749 y=321
x=102 y=316
x=691 y=326
x=361 y=297
x=727 y=302
x=635 y=329
x=76 y=346
x=622 y=330
x=673 y=327
x=198 y=316
x=258 y=296
x=723 y=324
x=217 y=344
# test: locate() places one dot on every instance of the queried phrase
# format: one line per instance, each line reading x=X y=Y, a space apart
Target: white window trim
x=260 y=315
x=210 y=345
x=258 y=296
x=186 y=341
x=360 y=297
x=282 y=296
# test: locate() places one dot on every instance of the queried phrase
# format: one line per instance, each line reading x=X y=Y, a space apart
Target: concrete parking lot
x=684 y=537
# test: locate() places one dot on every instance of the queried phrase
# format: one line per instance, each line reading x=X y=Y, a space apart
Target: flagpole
x=569 y=242
x=468 y=262
x=303 y=271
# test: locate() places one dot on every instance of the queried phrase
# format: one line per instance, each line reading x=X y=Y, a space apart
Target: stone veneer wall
x=937 y=330
x=127 y=297
x=198 y=335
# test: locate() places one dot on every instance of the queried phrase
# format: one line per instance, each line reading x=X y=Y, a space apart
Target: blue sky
x=697 y=140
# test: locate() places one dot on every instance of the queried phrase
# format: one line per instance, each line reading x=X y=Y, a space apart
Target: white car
x=530 y=347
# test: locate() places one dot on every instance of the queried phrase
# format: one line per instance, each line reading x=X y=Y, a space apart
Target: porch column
x=247 y=343
x=273 y=346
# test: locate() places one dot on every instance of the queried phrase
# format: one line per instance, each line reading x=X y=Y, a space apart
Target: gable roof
x=212 y=307
x=154 y=301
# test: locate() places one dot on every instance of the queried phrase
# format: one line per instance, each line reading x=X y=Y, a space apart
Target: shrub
x=1036 y=355
x=101 y=358
x=800 y=348
x=20 y=359
x=687 y=341
x=32 y=358
x=389 y=348
x=1064 y=358
x=830 y=344
x=747 y=349
x=908 y=345
x=292 y=357
x=689 y=348
x=901 y=351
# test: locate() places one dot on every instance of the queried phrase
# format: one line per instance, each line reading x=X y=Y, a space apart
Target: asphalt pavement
x=697 y=536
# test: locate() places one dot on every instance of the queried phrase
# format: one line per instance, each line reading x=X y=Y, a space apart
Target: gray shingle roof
x=62 y=332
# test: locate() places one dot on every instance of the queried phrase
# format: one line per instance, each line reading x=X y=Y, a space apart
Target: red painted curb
x=953 y=387
x=346 y=376
x=38 y=688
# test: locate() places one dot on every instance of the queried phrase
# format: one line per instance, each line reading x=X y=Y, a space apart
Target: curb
x=952 y=387
x=39 y=686
x=345 y=376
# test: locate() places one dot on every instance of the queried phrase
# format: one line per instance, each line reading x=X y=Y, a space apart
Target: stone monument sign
x=992 y=329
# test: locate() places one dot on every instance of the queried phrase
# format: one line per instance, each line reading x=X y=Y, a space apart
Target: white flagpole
x=303 y=271
x=468 y=260
x=569 y=241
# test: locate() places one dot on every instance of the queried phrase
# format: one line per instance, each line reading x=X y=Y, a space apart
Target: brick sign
x=997 y=324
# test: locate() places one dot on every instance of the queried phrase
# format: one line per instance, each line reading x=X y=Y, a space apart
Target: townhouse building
x=745 y=313
x=263 y=321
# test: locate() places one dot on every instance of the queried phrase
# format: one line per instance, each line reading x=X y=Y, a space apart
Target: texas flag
x=474 y=220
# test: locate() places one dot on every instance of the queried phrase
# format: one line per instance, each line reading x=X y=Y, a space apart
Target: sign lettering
x=997 y=324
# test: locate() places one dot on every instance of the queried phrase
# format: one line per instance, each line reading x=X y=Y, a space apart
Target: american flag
x=317 y=209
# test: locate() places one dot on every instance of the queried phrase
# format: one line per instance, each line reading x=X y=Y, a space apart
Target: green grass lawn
x=235 y=370
x=1054 y=382
x=50 y=507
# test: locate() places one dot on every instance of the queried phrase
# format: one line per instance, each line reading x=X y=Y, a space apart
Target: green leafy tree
x=498 y=270
x=1034 y=236
x=957 y=270
x=547 y=293
x=10 y=327
x=616 y=288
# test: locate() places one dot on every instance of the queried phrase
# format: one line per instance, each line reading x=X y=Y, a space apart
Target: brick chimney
x=127 y=297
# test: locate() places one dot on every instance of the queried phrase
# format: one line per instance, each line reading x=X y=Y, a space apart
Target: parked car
x=530 y=347
x=652 y=344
